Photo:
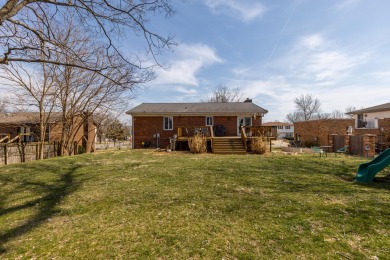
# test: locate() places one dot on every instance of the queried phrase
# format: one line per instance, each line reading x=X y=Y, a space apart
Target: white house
x=368 y=118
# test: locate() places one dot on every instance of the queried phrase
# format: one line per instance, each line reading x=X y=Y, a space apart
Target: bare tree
x=21 y=40
x=81 y=92
x=32 y=88
x=294 y=117
x=224 y=94
x=350 y=109
x=73 y=91
x=3 y=106
x=321 y=116
x=307 y=105
x=337 y=113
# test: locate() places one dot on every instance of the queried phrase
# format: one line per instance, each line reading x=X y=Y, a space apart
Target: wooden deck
x=222 y=144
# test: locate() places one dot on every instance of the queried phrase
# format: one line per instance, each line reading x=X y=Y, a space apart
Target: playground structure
x=367 y=171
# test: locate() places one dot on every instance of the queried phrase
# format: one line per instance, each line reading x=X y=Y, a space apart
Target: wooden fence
x=24 y=152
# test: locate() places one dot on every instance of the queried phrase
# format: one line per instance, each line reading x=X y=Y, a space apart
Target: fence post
x=37 y=152
x=331 y=141
x=5 y=155
x=369 y=145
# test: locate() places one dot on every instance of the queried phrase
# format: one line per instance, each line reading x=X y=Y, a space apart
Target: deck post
x=5 y=154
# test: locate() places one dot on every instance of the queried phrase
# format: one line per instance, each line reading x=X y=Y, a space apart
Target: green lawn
x=145 y=204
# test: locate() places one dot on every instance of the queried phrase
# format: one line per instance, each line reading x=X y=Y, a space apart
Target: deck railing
x=189 y=131
x=367 y=123
x=264 y=131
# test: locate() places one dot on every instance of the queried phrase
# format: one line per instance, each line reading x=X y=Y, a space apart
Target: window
x=288 y=127
x=361 y=121
x=280 y=127
x=168 y=123
x=209 y=120
x=248 y=121
x=26 y=134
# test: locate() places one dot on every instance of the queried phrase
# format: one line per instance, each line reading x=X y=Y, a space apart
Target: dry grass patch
x=259 y=146
x=197 y=143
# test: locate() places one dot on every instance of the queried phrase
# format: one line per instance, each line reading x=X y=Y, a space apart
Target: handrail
x=211 y=137
x=243 y=136
x=19 y=136
x=13 y=139
x=211 y=132
x=7 y=136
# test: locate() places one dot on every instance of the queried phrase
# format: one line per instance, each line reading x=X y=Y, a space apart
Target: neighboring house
x=281 y=130
x=368 y=118
x=26 y=124
x=156 y=123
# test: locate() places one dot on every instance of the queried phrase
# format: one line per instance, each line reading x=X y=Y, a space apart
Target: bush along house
x=163 y=125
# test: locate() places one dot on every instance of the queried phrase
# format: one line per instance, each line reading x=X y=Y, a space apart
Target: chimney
x=248 y=100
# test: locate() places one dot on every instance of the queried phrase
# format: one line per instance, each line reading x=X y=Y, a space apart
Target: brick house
x=156 y=123
x=26 y=124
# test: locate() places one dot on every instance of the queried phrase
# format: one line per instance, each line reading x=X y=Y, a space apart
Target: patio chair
x=343 y=150
x=318 y=150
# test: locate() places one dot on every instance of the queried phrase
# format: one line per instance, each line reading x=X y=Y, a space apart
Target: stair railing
x=243 y=136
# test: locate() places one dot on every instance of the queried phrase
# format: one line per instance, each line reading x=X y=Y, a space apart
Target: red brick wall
x=310 y=131
x=146 y=127
x=385 y=136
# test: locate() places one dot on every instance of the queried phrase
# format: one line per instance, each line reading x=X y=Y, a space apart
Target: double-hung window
x=209 y=121
x=168 y=122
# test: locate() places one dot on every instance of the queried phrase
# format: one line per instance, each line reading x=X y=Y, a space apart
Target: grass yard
x=146 y=205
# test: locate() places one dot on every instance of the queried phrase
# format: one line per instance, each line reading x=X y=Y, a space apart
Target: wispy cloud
x=312 y=41
x=245 y=10
x=315 y=59
x=346 y=4
x=313 y=64
x=186 y=91
x=187 y=61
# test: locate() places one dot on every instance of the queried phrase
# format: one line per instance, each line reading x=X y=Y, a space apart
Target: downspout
x=132 y=132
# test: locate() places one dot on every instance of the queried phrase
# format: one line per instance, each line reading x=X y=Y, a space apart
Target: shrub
x=309 y=144
x=80 y=149
x=197 y=143
x=259 y=146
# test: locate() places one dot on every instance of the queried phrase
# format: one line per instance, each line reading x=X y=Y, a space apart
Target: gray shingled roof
x=277 y=124
x=234 y=108
x=25 y=118
x=383 y=107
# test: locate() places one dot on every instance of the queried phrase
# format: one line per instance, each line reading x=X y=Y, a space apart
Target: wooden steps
x=228 y=145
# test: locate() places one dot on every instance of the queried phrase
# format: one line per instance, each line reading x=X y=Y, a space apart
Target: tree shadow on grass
x=45 y=204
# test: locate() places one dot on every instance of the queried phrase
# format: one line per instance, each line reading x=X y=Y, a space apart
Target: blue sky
x=274 y=51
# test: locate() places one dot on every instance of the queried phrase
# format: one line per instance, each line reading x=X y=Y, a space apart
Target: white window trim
x=212 y=120
x=167 y=129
